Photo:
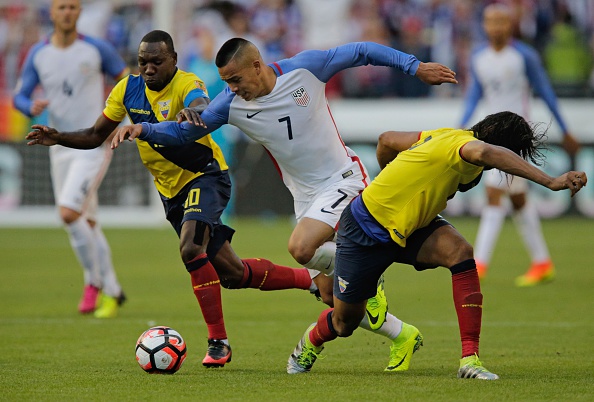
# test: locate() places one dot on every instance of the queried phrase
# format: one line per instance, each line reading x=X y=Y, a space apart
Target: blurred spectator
x=276 y=23
x=367 y=81
x=568 y=58
x=412 y=40
x=438 y=30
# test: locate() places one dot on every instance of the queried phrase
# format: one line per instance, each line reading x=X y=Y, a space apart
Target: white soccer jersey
x=295 y=126
x=293 y=122
x=72 y=79
x=505 y=79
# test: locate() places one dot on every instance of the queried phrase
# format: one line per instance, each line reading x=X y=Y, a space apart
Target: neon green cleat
x=403 y=347
x=471 y=367
x=108 y=307
x=304 y=355
x=377 y=307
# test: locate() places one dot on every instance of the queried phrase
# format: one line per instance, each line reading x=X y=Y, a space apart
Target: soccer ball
x=160 y=350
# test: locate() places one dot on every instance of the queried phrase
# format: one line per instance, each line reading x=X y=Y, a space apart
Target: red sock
x=207 y=289
x=468 y=301
x=323 y=331
x=264 y=275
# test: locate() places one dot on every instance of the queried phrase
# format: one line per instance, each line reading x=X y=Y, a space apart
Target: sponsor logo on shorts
x=342 y=284
x=327 y=212
x=347 y=174
x=187 y=211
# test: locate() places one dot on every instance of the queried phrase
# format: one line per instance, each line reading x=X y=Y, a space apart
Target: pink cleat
x=89 y=299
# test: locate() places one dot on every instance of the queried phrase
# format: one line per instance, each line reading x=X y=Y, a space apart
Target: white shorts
x=505 y=182
x=327 y=205
x=76 y=176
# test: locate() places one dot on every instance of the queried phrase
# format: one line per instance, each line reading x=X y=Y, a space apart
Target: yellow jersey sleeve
x=114 y=105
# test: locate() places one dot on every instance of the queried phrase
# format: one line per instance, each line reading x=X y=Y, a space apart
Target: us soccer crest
x=164 y=108
x=301 y=97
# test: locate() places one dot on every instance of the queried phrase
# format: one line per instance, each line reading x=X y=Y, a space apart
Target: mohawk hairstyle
x=511 y=131
x=229 y=50
x=157 y=36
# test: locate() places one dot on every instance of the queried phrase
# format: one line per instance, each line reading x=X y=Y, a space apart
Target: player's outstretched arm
x=42 y=135
x=435 y=74
x=128 y=132
x=483 y=154
x=87 y=138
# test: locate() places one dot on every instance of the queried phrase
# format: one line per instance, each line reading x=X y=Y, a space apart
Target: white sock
x=82 y=240
x=323 y=259
x=391 y=328
x=111 y=286
x=492 y=218
x=528 y=224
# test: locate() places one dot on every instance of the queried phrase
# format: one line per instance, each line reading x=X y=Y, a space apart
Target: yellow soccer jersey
x=412 y=189
x=172 y=167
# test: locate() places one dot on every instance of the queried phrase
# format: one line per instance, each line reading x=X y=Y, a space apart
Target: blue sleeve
x=539 y=81
x=27 y=83
x=193 y=95
x=326 y=63
x=171 y=133
x=472 y=98
x=112 y=63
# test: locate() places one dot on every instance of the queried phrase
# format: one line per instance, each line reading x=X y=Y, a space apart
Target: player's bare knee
x=301 y=253
x=189 y=251
x=68 y=215
x=463 y=252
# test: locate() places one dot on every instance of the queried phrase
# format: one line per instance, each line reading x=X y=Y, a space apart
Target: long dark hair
x=513 y=132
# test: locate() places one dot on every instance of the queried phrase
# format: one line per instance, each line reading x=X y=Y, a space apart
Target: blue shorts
x=203 y=199
x=361 y=260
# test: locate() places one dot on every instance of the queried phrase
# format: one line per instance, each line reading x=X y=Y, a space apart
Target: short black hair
x=230 y=49
x=513 y=132
x=157 y=36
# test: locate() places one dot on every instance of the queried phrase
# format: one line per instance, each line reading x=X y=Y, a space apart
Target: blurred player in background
x=193 y=183
x=70 y=67
x=396 y=220
x=283 y=106
x=503 y=71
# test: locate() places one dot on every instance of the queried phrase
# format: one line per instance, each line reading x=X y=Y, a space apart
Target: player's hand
x=191 y=115
x=570 y=144
x=435 y=74
x=574 y=181
x=42 y=135
x=128 y=132
x=38 y=106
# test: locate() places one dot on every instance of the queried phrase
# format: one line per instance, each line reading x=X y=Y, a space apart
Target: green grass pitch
x=539 y=340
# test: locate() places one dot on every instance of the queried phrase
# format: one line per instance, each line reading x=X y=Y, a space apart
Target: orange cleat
x=538 y=273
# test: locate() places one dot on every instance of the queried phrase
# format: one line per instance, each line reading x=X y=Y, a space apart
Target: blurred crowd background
x=434 y=30
x=443 y=31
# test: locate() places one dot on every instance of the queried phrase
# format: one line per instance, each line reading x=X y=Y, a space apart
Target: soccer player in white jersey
x=283 y=107
x=503 y=72
x=70 y=68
